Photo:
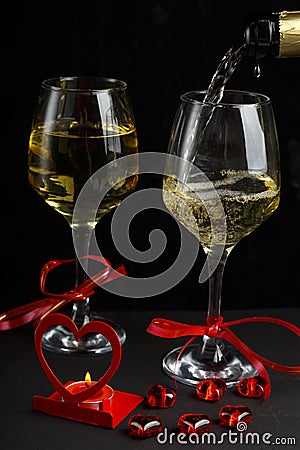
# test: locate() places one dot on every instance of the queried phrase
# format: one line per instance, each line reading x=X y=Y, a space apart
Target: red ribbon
x=52 y=302
x=215 y=327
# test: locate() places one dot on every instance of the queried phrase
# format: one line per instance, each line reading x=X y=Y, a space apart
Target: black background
x=162 y=49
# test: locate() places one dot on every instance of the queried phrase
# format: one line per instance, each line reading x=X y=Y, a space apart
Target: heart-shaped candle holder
x=95 y=403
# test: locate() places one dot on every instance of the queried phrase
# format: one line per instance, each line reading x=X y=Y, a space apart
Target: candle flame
x=87 y=378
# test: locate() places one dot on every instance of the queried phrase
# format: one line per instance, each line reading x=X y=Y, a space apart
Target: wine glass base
x=208 y=359
x=61 y=341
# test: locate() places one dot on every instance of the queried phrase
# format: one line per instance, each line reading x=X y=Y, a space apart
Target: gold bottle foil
x=289 y=29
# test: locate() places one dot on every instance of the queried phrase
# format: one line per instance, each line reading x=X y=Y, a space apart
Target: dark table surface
x=21 y=377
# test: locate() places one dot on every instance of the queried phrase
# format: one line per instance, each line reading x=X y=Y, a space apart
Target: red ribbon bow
x=53 y=302
x=217 y=328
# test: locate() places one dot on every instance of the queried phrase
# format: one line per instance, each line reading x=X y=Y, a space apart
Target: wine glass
x=233 y=145
x=81 y=123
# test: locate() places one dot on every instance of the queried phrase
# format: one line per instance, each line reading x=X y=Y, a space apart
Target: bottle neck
x=262 y=36
x=289 y=28
x=273 y=35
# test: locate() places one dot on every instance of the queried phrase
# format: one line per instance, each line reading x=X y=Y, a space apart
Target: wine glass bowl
x=234 y=145
x=81 y=124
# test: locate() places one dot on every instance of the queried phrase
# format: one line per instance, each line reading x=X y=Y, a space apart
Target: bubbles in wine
x=248 y=198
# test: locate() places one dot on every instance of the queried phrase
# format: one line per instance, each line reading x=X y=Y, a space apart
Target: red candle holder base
x=108 y=413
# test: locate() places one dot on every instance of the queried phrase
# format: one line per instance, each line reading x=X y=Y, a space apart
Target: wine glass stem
x=215 y=287
x=81 y=309
x=212 y=345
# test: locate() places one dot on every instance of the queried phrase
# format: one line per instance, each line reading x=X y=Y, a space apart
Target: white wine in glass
x=81 y=124
x=234 y=145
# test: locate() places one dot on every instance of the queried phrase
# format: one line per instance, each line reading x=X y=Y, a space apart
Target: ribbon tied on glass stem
x=216 y=328
x=37 y=310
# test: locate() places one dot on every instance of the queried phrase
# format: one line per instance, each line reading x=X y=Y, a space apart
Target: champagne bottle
x=275 y=35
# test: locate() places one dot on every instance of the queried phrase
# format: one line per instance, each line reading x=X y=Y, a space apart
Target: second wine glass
x=233 y=147
x=80 y=124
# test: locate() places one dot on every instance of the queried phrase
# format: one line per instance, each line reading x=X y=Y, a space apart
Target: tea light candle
x=104 y=395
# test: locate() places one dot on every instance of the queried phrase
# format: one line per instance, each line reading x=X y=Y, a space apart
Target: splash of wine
x=216 y=88
x=224 y=71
